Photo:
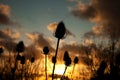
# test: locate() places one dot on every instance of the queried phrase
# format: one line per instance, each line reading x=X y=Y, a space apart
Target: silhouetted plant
x=102 y=67
x=46 y=51
x=53 y=59
x=59 y=33
x=66 y=55
x=117 y=61
x=67 y=61
x=1 y=51
x=75 y=62
x=100 y=72
x=32 y=59
x=18 y=57
x=22 y=61
x=20 y=47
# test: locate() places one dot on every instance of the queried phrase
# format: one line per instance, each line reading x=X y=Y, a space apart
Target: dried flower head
x=68 y=61
x=18 y=57
x=1 y=50
x=46 y=50
x=20 y=47
x=32 y=59
x=60 y=30
x=76 y=60
x=66 y=55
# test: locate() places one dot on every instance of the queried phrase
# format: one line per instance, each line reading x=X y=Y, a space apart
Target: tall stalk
x=75 y=62
x=64 y=72
x=67 y=61
x=19 y=48
x=46 y=51
x=59 y=33
x=46 y=66
x=55 y=58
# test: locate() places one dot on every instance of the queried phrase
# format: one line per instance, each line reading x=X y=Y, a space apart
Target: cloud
x=73 y=48
x=32 y=36
x=32 y=51
x=15 y=35
x=9 y=45
x=104 y=13
x=5 y=15
x=7 y=39
x=52 y=27
x=39 y=40
x=84 y=11
x=4 y=35
x=10 y=35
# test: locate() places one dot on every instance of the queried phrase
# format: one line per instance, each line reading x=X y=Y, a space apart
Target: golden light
x=79 y=70
x=59 y=69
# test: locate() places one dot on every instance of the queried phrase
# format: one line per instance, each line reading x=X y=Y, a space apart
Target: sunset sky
x=35 y=16
x=35 y=20
x=86 y=21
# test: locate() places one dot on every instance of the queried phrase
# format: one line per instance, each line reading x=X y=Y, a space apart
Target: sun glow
x=79 y=70
x=59 y=69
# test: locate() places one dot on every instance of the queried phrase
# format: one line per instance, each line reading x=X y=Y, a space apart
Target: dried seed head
x=66 y=55
x=68 y=61
x=20 y=47
x=18 y=57
x=60 y=30
x=45 y=50
x=1 y=50
x=76 y=60
x=32 y=59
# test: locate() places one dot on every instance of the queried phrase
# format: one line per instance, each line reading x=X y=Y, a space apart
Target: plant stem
x=22 y=72
x=46 y=66
x=55 y=58
x=73 y=71
x=63 y=73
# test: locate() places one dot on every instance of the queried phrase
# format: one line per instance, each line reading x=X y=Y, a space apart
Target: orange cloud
x=5 y=15
x=104 y=13
x=52 y=26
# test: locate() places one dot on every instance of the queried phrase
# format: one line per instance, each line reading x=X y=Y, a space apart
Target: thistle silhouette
x=46 y=51
x=22 y=61
x=67 y=61
x=19 y=48
x=32 y=60
x=59 y=33
x=18 y=57
x=75 y=62
x=1 y=51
